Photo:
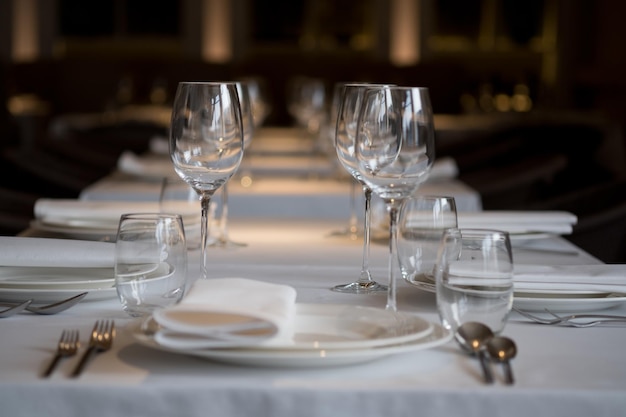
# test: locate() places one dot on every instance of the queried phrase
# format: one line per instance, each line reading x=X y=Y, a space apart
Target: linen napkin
x=159 y=145
x=228 y=312
x=443 y=169
x=555 y=222
x=605 y=278
x=102 y=214
x=50 y=252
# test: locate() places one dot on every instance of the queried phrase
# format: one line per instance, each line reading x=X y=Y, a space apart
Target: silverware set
x=9 y=309
x=100 y=341
x=478 y=340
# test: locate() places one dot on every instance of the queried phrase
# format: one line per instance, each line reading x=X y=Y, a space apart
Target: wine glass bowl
x=247 y=119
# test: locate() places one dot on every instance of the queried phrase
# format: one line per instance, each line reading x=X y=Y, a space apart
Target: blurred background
x=529 y=93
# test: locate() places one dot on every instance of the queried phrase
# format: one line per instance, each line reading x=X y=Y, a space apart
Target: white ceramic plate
x=572 y=303
x=301 y=358
x=521 y=236
x=43 y=278
x=85 y=233
x=40 y=296
x=334 y=326
x=557 y=301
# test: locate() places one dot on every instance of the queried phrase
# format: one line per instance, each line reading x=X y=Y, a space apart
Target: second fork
x=101 y=340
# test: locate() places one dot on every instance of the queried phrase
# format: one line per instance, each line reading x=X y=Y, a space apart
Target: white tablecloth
x=559 y=371
x=278 y=197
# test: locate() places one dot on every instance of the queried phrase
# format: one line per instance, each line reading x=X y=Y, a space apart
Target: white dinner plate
x=302 y=358
x=40 y=296
x=523 y=236
x=84 y=233
x=332 y=326
x=43 y=278
x=567 y=302
x=557 y=301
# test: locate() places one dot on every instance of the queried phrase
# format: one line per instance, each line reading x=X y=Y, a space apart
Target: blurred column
x=405 y=32
x=216 y=31
x=25 y=30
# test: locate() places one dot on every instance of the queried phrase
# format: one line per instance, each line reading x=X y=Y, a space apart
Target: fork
x=593 y=319
x=100 y=341
x=68 y=346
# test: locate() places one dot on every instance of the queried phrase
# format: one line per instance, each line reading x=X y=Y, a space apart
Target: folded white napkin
x=148 y=167
x=102 y=214
x=159 y=145
x=49 y=252
x=556 y=222
x=443 y=169
x=228 y=312
x=554 y=278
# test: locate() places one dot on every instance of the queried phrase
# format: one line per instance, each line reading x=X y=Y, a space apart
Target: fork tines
x=100 y=341
x=67 y=346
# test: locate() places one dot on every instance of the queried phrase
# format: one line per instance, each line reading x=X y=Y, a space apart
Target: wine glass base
x=366 y=287
x=350 y=233
x=226 y=243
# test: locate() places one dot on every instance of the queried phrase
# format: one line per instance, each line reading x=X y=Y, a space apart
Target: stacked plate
x=48 y=270
x=47 y=285
x=98 y=220
x=563 y=288
x=325 y=335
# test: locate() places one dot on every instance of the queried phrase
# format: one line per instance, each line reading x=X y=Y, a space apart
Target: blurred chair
x=16 y=211
x=114 y=138
x=45 y=174
x=510 y=184
x=601 y=211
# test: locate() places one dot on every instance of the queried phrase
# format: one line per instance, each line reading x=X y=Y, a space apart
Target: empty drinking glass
x=423 y=219
x=474 y=276
x=150 y=261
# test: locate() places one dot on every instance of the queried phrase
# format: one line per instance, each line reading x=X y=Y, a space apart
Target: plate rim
x=298 y=358
x=333 y=316
x=81 y=281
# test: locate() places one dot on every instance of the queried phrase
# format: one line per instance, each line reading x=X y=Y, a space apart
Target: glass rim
x=150 y=215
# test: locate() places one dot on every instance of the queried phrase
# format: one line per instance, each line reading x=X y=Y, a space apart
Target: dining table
x=559 y=370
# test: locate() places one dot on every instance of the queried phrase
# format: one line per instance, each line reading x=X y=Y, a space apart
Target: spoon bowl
x=473 y=338
x=502 y=349
x=58 y=306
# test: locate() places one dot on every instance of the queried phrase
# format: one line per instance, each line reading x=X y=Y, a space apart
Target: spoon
x=58 y=306
x=53 y=308
x=502 y=349
x=473 y=336
x=14 y=308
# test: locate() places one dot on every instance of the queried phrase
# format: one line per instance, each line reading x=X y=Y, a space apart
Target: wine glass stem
x=366 y=276
x=393 y=250
x=353 y=226
x=224 y=215
x=205 y=202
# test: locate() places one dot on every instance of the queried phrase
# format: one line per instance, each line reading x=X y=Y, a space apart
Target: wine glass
x=259 y=99
x=223 y=240
x=306 y=103
x=352 y=96
x=206 y=142
x=395 y=151
x=352 y=231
